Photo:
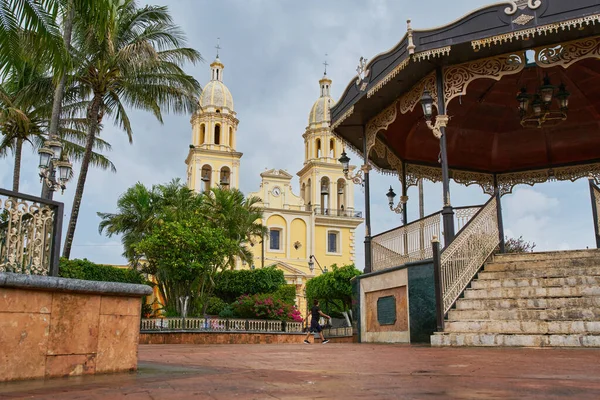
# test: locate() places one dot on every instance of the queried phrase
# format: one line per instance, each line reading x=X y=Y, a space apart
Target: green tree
x=185 y=256
x=333 y=289
x=136 y=61
x=240 y=217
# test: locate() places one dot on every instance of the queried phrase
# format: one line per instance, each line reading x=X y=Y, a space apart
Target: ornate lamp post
x=391 y=195
x=51 y=159
x=311 y=264
x=361 y=178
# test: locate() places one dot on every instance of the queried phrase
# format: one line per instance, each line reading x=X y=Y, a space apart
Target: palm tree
x=25 y=114
x=140 y=209
x=240 y=217
x=137 y=64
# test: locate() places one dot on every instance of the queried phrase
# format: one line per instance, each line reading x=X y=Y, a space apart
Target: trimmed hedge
x=229 y=285
x=89 y=271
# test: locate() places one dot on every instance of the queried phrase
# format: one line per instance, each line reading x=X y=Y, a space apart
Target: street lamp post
x=311 y=264
x=52 y=159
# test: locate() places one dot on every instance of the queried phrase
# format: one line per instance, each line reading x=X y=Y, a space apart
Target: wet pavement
x=334 y=371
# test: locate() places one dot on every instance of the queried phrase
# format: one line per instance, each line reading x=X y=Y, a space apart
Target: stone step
x=548 y=255
x=527 y=292
x=524 y=327
x=533 y=264
x=540 y=273
x=493 y=340
x=552 y=303
x=535 y=282
x=568 y=314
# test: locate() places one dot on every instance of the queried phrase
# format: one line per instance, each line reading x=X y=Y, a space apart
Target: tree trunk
x=85 y=164
x=17 y=170
x=59 y=92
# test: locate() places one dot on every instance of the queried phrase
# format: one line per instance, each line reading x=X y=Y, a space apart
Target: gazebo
x=507 y=95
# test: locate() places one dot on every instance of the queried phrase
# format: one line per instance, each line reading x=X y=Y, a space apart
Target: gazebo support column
x=368 y=254
x=499 y=216
x=447 y=211
x=404 y=196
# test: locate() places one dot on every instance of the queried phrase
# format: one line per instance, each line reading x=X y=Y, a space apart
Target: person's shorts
x=315 y=327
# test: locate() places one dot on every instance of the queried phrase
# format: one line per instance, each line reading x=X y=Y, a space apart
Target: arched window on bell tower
x=318 y=148
x=202 y=134
x=325 y=198
x=341 y=196
x=308 y=194
x=206 y=177
x=231 y=137
x=332 y=148
x=217 y=134
x=225 y=178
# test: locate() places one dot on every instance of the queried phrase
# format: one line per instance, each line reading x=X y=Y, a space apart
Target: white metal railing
x=405 y=244
x=412 y=242
x=462 y=259
x=218 y=325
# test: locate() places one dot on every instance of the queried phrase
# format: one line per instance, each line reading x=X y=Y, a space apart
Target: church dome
x=215 y=93
x=319 y=113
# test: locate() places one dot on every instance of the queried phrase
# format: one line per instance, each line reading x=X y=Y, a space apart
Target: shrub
x=215 y=306
x=227 y=312
x=286 y=293
x=519 y=245
x=89 y=271
x=229 y=285
x=265 y=307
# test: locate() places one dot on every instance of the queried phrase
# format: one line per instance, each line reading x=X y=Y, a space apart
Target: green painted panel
x=386 y=310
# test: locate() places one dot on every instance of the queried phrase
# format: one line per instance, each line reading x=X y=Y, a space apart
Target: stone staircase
x=529 y=300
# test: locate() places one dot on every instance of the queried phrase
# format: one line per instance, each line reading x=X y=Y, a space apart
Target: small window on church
x=218 y=110
x=275 y=239
x=217 y=74
x=333 y=242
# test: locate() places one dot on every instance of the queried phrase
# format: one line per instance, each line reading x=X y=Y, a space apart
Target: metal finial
x=218 y=47
x=325 y=63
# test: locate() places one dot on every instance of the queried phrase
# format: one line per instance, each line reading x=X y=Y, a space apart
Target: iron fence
x=30 y=234
x=218 y=325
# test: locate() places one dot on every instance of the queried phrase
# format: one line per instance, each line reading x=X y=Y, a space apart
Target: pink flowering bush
x=265 y=307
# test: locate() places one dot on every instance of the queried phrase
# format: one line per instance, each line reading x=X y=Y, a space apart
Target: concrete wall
x=54 y=327
x=381 y=285
x=412 y=285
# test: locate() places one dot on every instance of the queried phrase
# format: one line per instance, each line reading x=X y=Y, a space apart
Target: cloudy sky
x=273 y=52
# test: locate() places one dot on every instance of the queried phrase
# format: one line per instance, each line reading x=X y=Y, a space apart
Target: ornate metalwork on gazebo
x=507 y=95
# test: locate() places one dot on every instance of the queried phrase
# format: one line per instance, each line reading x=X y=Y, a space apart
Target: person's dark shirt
x=314 y=312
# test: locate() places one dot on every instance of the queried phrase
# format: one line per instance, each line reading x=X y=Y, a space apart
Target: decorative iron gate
x=30 y=234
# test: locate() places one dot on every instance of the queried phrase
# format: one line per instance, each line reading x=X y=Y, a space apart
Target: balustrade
x=218 y=325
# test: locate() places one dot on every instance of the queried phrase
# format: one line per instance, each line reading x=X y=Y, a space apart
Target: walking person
x=315 y=313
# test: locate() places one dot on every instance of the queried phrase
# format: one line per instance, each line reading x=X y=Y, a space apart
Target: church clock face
x=276 y=191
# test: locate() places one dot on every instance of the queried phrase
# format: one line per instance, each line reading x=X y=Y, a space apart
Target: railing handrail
x=331 y=212
x=28 y=197
x=464 y=228
x=216 y=324
x=407 y=225
x=449 y=287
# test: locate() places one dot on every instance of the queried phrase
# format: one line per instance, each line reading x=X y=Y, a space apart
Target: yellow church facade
x=308 y=231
